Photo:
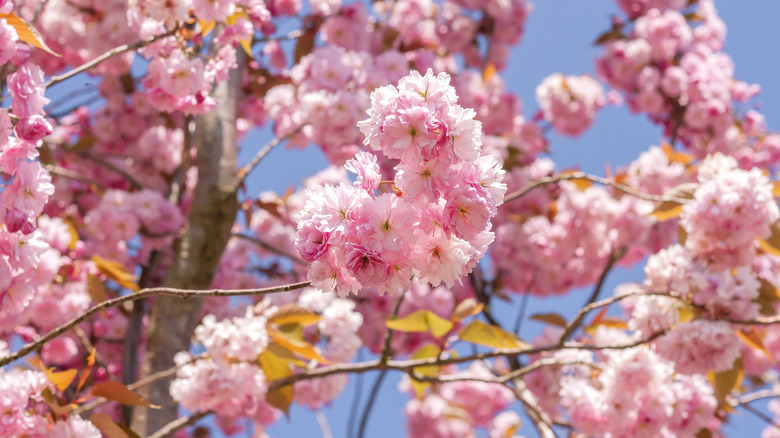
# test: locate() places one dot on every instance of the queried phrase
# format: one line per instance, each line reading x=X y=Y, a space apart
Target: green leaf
x=425 y=352
x=276 y=368
x=421 y=321
x=478 y=332
x=292 y=313
x=724 y=382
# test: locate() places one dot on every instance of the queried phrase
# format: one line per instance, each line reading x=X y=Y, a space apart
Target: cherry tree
x=146 y=289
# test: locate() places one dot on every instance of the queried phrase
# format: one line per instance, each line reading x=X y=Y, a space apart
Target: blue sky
x=558 y=38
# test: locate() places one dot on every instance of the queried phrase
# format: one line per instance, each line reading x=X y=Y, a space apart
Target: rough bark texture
x=205 y=236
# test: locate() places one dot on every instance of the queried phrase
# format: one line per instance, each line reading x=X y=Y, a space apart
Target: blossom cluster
x=232 y=382
x=637 y=393
x=23 y=409
x=670 y=65
x=436 y=227
x=570 y=103
x=458 y=408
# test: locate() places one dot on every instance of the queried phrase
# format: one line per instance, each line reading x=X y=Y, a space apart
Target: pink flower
x=26 y=86
x=30 y=189
x=364 y=165
x=311 y=242
x=33 y=128
x=570 y=103
x=367 y=266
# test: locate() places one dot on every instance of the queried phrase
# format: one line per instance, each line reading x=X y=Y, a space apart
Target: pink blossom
x=26 y=86
x=570 y=103
x=365 y=166
x=33 y=128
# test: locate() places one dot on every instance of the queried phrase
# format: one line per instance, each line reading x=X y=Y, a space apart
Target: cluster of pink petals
x=671 y=67
x=547 y=252
x=729 y=210
x=22 y=409
x=436 y=227
x=28 y=189
x=699 y=346
x=458 y=408
x=637 y=394
x=570 y=103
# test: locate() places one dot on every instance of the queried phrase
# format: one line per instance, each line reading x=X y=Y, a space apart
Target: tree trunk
x=206 y=234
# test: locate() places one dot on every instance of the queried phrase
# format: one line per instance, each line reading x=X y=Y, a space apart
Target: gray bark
x=204 y=239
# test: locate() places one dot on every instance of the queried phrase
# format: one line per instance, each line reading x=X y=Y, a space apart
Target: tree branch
x=407 y=365
x=139 y=384
x=592 y=178
x=143 y=293
x=268 y=247
x=249 y=167
x=179 y=423
x=109 y=54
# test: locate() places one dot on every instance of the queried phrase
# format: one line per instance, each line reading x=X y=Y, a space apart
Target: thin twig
x=370 y=403
x=143 y=293
x=614 y=256
x=387 y=353
x=290 y=36
x=538 y=417
x=323 y=422
x=577 y=321
x=757 y=395
x=67 y=173
x=521 y=312
x=179 y=423
x=268 y=247
x=246 y=170
x=109 y=54
x=592 y=178
x=541 y=363
x=355 y=402
x=111 y=166
x=139 y=384
x=761 y=415
x=407 y=365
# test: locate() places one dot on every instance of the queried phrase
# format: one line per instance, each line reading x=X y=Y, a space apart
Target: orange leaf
x=60 y=379
x=97 y=290
x=550 y=318
x=292 y=313
x=107 y=427
x=466 y=308
x=751 y=337
x=116 y=272
x=87 y=370
x=119 y=393
x=304 y=349
x=27 y=32
x=488 y=72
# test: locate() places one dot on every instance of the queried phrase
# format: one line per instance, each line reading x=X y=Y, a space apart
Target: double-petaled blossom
x=437 y=224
